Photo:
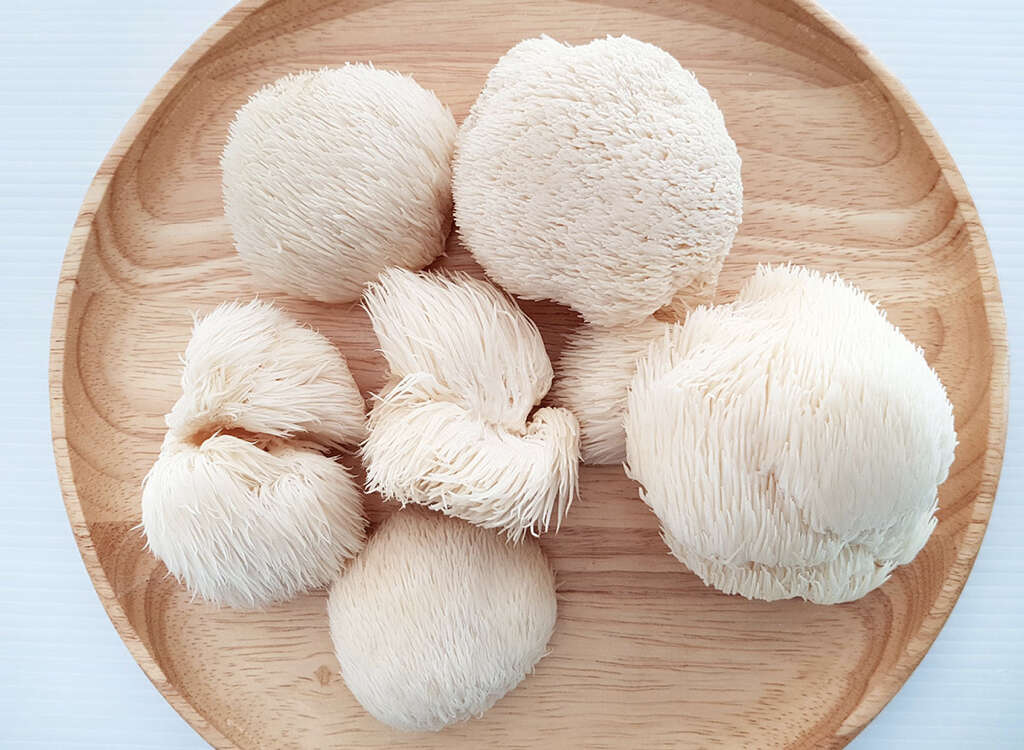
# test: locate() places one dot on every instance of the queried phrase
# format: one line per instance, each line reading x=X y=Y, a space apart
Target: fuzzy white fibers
x=599 y=176
x=243 y=505
x=251 y=367
x=467 y=334
x=453 y=428
x=330 y=176
x=792 y=442
x=436 y=620
x=245 y=526
x=425 y=448
x=594 y=373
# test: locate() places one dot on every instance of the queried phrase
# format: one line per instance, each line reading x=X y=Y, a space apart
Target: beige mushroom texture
x=594 y=373
x=791 y=442
x=244 y=504
x=437 y=620
x=330 y=176
x=453 y=429
x=599 y=176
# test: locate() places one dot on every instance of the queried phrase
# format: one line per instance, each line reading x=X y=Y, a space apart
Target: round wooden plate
x=842 y=172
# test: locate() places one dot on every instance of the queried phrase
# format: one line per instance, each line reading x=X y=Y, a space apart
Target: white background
x=71 y=73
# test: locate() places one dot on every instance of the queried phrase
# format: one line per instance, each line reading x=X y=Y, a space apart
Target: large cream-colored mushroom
x=330 y=176
x=599 y=176
x=436 y=620
x=791 y=442
x=453 y=429
x=245 y=504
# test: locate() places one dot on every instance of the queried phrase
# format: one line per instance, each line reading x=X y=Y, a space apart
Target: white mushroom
x=594 y=373
x=244 y=504
x=251 y=367
x=599 y=176
x=426 y=449
x=330 y=176
x=247 y=526
x=453 y=429
x=436 y=620
x=473 y=339
x=792 y=442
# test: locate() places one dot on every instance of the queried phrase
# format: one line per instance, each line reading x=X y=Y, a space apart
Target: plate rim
x=870 y=703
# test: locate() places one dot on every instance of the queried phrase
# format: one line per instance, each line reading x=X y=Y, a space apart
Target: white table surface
x=71 y=73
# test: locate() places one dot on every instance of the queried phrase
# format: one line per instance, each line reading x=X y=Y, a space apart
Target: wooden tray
x=842 y=172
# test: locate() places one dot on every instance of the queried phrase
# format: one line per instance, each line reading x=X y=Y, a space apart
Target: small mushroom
x=599 y=176
x=437 y=619
x=330 y=176
x=594 y=373
x=470 y=337
x=246 y=504
x=792 y=442
x=245 y=525
x=253 y=368
x=453 y=428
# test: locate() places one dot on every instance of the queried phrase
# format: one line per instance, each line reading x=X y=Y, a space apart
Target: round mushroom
x=599 y=176
x=792 y=442
x=330 y=176
x=437 y=619
x=248 y=525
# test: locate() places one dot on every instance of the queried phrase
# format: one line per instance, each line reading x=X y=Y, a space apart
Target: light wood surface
x=841 y=172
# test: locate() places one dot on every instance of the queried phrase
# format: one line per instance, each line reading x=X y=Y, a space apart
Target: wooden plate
x=842 y=172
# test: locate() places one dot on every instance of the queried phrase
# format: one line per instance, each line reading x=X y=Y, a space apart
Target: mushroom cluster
x=791 y=442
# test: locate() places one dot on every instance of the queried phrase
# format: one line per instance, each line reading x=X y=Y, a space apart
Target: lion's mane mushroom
x=330 y=176
x=251 y=367
x=594 y=373
x=791 y=442
x=452 y=430
x=436 y=620
x=599 y=176
x=244 y=504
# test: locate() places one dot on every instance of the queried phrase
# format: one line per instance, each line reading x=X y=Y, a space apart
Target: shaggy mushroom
x=792 y=442
x=594 y=372
x=245 y=504
x=251 y=367
x=452 y=429
x=476 y=615
x=330 y=176
x=599 y=176
x=469 y=336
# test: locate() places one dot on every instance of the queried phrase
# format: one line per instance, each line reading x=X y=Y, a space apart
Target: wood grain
x=842 y=172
